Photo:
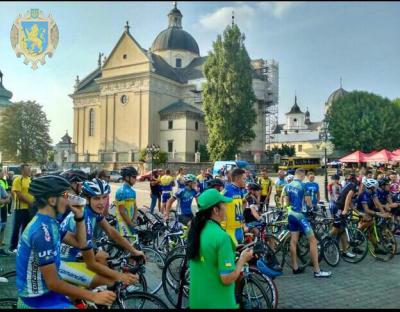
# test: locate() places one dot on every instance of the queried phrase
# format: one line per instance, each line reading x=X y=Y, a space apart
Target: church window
x=297 y=131
x=91 y=122
x=300 y=148
x=170 y=124
x=170 y=146
x=285 y=131
x=124 y=56
x=196 y=125
x=295 y=120
x=178 y=63
x=196 y=146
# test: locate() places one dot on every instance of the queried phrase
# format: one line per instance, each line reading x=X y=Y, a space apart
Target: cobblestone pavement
x=369 y=284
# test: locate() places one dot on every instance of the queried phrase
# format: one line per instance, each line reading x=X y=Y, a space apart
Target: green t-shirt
x=217 y=257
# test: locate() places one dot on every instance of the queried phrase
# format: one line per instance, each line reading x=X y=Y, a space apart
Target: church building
x=136 y=97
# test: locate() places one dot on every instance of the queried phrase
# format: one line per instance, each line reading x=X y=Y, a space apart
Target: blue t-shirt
x=68 y=252
x=312 y=189
x=382 y=196
x=366 y=197
x=296 y=192
x=39 y=245
x=185 y=197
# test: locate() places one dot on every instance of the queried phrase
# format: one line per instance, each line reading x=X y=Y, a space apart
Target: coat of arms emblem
x=34 y=36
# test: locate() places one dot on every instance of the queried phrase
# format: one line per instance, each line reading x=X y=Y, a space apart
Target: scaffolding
x=270 y=71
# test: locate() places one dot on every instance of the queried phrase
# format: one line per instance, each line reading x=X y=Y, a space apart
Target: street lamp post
x=325 y=125
x=152 y=150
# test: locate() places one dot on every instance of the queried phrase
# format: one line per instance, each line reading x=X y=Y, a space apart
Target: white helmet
x=290 y=177
x=368 y=183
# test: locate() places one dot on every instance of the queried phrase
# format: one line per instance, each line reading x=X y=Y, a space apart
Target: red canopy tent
x=371 y=153
x=356 y=157
x=396 y=152
x=382 y=156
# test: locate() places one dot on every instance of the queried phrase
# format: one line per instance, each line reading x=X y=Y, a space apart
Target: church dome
x=336 y=95
x=174 y=37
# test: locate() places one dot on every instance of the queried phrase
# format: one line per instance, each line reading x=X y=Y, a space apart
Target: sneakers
x=322 y=274
x=299 y=270
x=14 y=251
x=349 y=254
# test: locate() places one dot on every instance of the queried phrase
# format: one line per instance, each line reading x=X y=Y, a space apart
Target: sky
x=315 y=44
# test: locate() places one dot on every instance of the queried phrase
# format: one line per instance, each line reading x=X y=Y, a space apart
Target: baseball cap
x=209 y=198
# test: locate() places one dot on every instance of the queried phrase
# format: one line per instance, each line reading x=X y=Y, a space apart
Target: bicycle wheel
x=154 y=266
x=9 y=289
x=8 y=303
x=302 y=254
x=268 y=284
x=386 y=246
x=180 y=250
x=171 y=278
x=330 y=251
x=251 y=294
x=140 y=300
x=358 y=245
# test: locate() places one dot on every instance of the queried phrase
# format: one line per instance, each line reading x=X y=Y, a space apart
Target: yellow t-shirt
x=21 y=184
x=265 y=184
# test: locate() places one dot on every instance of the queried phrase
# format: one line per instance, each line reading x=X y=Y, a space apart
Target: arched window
x=91 y=122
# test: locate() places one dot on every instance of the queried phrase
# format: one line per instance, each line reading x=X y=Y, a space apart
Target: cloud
x=278 y=8
x=219 y=19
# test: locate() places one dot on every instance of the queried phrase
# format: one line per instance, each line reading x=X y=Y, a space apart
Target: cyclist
x=94 y=270
x=125 y=198
x=266 y=187
x=202 y=179
x=75 y=177
x=38 y=258
x=385 y=197
x=312 y=188
x=179 y=178
x=250 y=212
x=334 y=189
x=394 y=183
x=167 y=183
x=216 y=183
x=185 y=197
x=289 y=179
x=280 y=183
x=345 y=202
x=234 y=209
x=296 y=196
x=368 y=203
x=211 y=255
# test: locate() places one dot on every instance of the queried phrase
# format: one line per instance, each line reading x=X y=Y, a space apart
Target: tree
x=204 y=155
x=159 y=158
x=364 y=121
x=24 y=132
x=228 y=96
x=284 y=150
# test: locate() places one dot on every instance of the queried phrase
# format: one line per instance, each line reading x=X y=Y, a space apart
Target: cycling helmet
x=74 y=175
x=48 y=186
x=368 y=183
x=215 y=182
x=188 y=178
x=254 y=187
x=129 y=172
x=96 y=187
x=384 y=181
x=290 y=177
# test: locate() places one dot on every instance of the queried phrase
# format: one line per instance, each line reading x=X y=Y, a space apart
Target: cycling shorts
x=237 y=235
x=165 y=196
x=51 y=300
x=297 y=222
x=76 y=273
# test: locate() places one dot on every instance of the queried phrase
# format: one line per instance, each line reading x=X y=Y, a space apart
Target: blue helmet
x=96 y=187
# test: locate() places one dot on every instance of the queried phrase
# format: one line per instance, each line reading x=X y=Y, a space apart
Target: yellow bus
x=288 y=163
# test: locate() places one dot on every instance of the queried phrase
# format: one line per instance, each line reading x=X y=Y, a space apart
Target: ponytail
x=198 y=223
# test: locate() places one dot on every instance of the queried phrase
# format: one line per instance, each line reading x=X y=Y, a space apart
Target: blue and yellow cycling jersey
x=296 y=192
x=126 y=196
x=279 y=185
x=185 y=197
x=366 y=197
x=312 y=189
x=68 y=252
x=234 y=211
x=179 y=181
x=39 y=245
x=167 y=183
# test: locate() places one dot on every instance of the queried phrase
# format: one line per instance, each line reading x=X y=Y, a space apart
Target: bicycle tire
x=329 y=244
x=153 y=269
x=387 y=237
x=244 y=302
x=9 y=289
x=8 y=303
x=357 y=239
x=171 y=281
x=141 y=300
x=270 y=286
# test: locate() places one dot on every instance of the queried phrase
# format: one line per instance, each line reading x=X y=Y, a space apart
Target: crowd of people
x=58 y=217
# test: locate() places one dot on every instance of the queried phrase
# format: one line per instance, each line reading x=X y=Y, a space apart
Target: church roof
x=335 y=95
x=295 y=108
x=312 y=126
x=297 y=137
x=174 y=38
x=180 y=106
x=88 y=84
x=66 y=139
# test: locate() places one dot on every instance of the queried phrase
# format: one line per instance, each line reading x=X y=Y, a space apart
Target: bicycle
x=8 y=284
